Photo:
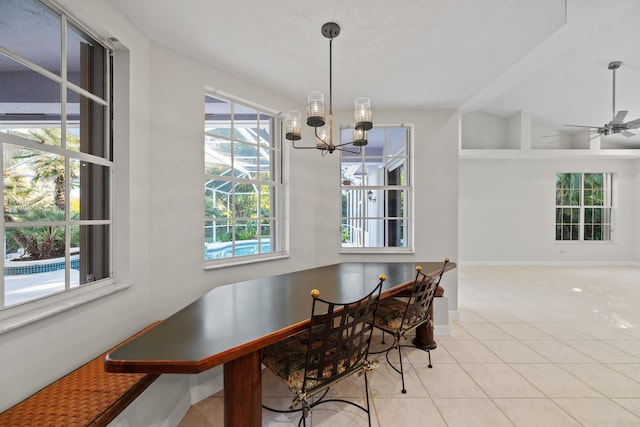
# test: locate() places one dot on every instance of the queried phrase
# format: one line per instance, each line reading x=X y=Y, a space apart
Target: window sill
x=369 y=251
x=28 y=313
x=234 y=262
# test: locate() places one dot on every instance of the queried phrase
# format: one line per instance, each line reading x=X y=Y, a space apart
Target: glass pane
x=218 y=240
x=374 y=172
x=264 y=131
x=246 y=230
x=396 y=174
x=245 y=160
x=266 y=163
x=34 y=185
x=376 y=145
x=588 y=232
x=27 y=97
x=588 y=215
x=74 y=256
x=245 y=122
x=574 y=198
x=94 y=252
x=396 y=233
x=85 y=61
x=34 y=263
x=374 y=233
x=267 y=229
x=351 y=170
x=353 y=232
x=353 y=202
x=90 y=190
x=217 y=231
x=86 y=120
x=217 y=113
x=218 y=199
x=31 y=30
x=575 y=180
x=217 y=156
x=397 y=141
x=265 y=201
x=395 y=203
x=246 y=201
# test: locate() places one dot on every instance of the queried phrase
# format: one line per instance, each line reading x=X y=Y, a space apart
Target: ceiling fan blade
x=580 y=126
x=618 y=119
x=627 y=133
x=632 y=124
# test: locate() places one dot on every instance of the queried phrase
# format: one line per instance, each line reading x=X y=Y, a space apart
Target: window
x=377 y=191
x=583 y=206
x=242 y=181
x=55 y=133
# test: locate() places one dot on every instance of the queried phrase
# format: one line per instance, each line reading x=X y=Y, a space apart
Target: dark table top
x=233 y=320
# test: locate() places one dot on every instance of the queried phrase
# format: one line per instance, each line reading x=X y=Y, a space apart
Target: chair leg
x=366 y=393
x=404 y=390
x=429 y=353
x=382 y=342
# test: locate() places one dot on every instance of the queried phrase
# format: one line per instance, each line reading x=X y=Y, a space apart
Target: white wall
x=507 y=212
x=636 y=210
x=158 y=220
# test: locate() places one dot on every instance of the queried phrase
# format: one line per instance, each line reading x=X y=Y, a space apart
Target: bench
x=88 y=396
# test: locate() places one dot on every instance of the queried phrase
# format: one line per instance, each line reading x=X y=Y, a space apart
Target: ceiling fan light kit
x=316 y=114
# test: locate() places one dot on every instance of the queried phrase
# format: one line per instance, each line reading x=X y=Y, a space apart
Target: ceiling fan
x=617 y=123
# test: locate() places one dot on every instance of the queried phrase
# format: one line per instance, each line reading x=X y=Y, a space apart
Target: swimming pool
x=221 y=250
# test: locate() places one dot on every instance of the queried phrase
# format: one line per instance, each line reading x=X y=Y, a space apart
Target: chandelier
x=316 y=114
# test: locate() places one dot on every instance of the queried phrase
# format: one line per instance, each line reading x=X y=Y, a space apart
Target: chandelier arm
x=344 y=143
x=347 y=150
x=301 y=147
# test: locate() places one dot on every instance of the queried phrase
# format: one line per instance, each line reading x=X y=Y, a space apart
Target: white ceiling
x=546 y=57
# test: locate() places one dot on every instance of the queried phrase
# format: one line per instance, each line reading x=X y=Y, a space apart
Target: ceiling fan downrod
x=613 y=66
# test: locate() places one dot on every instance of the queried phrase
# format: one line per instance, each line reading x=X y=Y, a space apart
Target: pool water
x=242 y=248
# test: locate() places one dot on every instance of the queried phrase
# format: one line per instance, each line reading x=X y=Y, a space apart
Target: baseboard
x=549 y=263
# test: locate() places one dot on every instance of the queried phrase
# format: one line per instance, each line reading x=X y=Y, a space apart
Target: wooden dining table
x=231 y=324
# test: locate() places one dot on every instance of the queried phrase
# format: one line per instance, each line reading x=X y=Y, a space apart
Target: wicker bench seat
x=87 y=396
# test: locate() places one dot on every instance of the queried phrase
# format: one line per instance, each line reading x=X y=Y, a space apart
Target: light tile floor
x=534 y=346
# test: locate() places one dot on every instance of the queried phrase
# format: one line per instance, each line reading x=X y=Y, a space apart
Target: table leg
x=424 y=336
x=243 y=391
x=424 y=333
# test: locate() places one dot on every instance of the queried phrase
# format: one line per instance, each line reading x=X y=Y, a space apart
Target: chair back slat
x=339 y=337
x=417 y=309
x=422 y=295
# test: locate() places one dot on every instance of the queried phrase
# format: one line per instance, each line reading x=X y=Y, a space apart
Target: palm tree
x=44 y=241
x=48 y=167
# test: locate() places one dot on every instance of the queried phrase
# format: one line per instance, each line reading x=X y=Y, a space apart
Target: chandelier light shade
x=316 y=117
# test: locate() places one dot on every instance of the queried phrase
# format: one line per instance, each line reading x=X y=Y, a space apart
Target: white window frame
x=378 y=190
x=30 y=310
x=278 y=247
x=608 y=203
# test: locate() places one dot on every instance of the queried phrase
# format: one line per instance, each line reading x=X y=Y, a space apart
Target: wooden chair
x=399 y=316
x=335 y=346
